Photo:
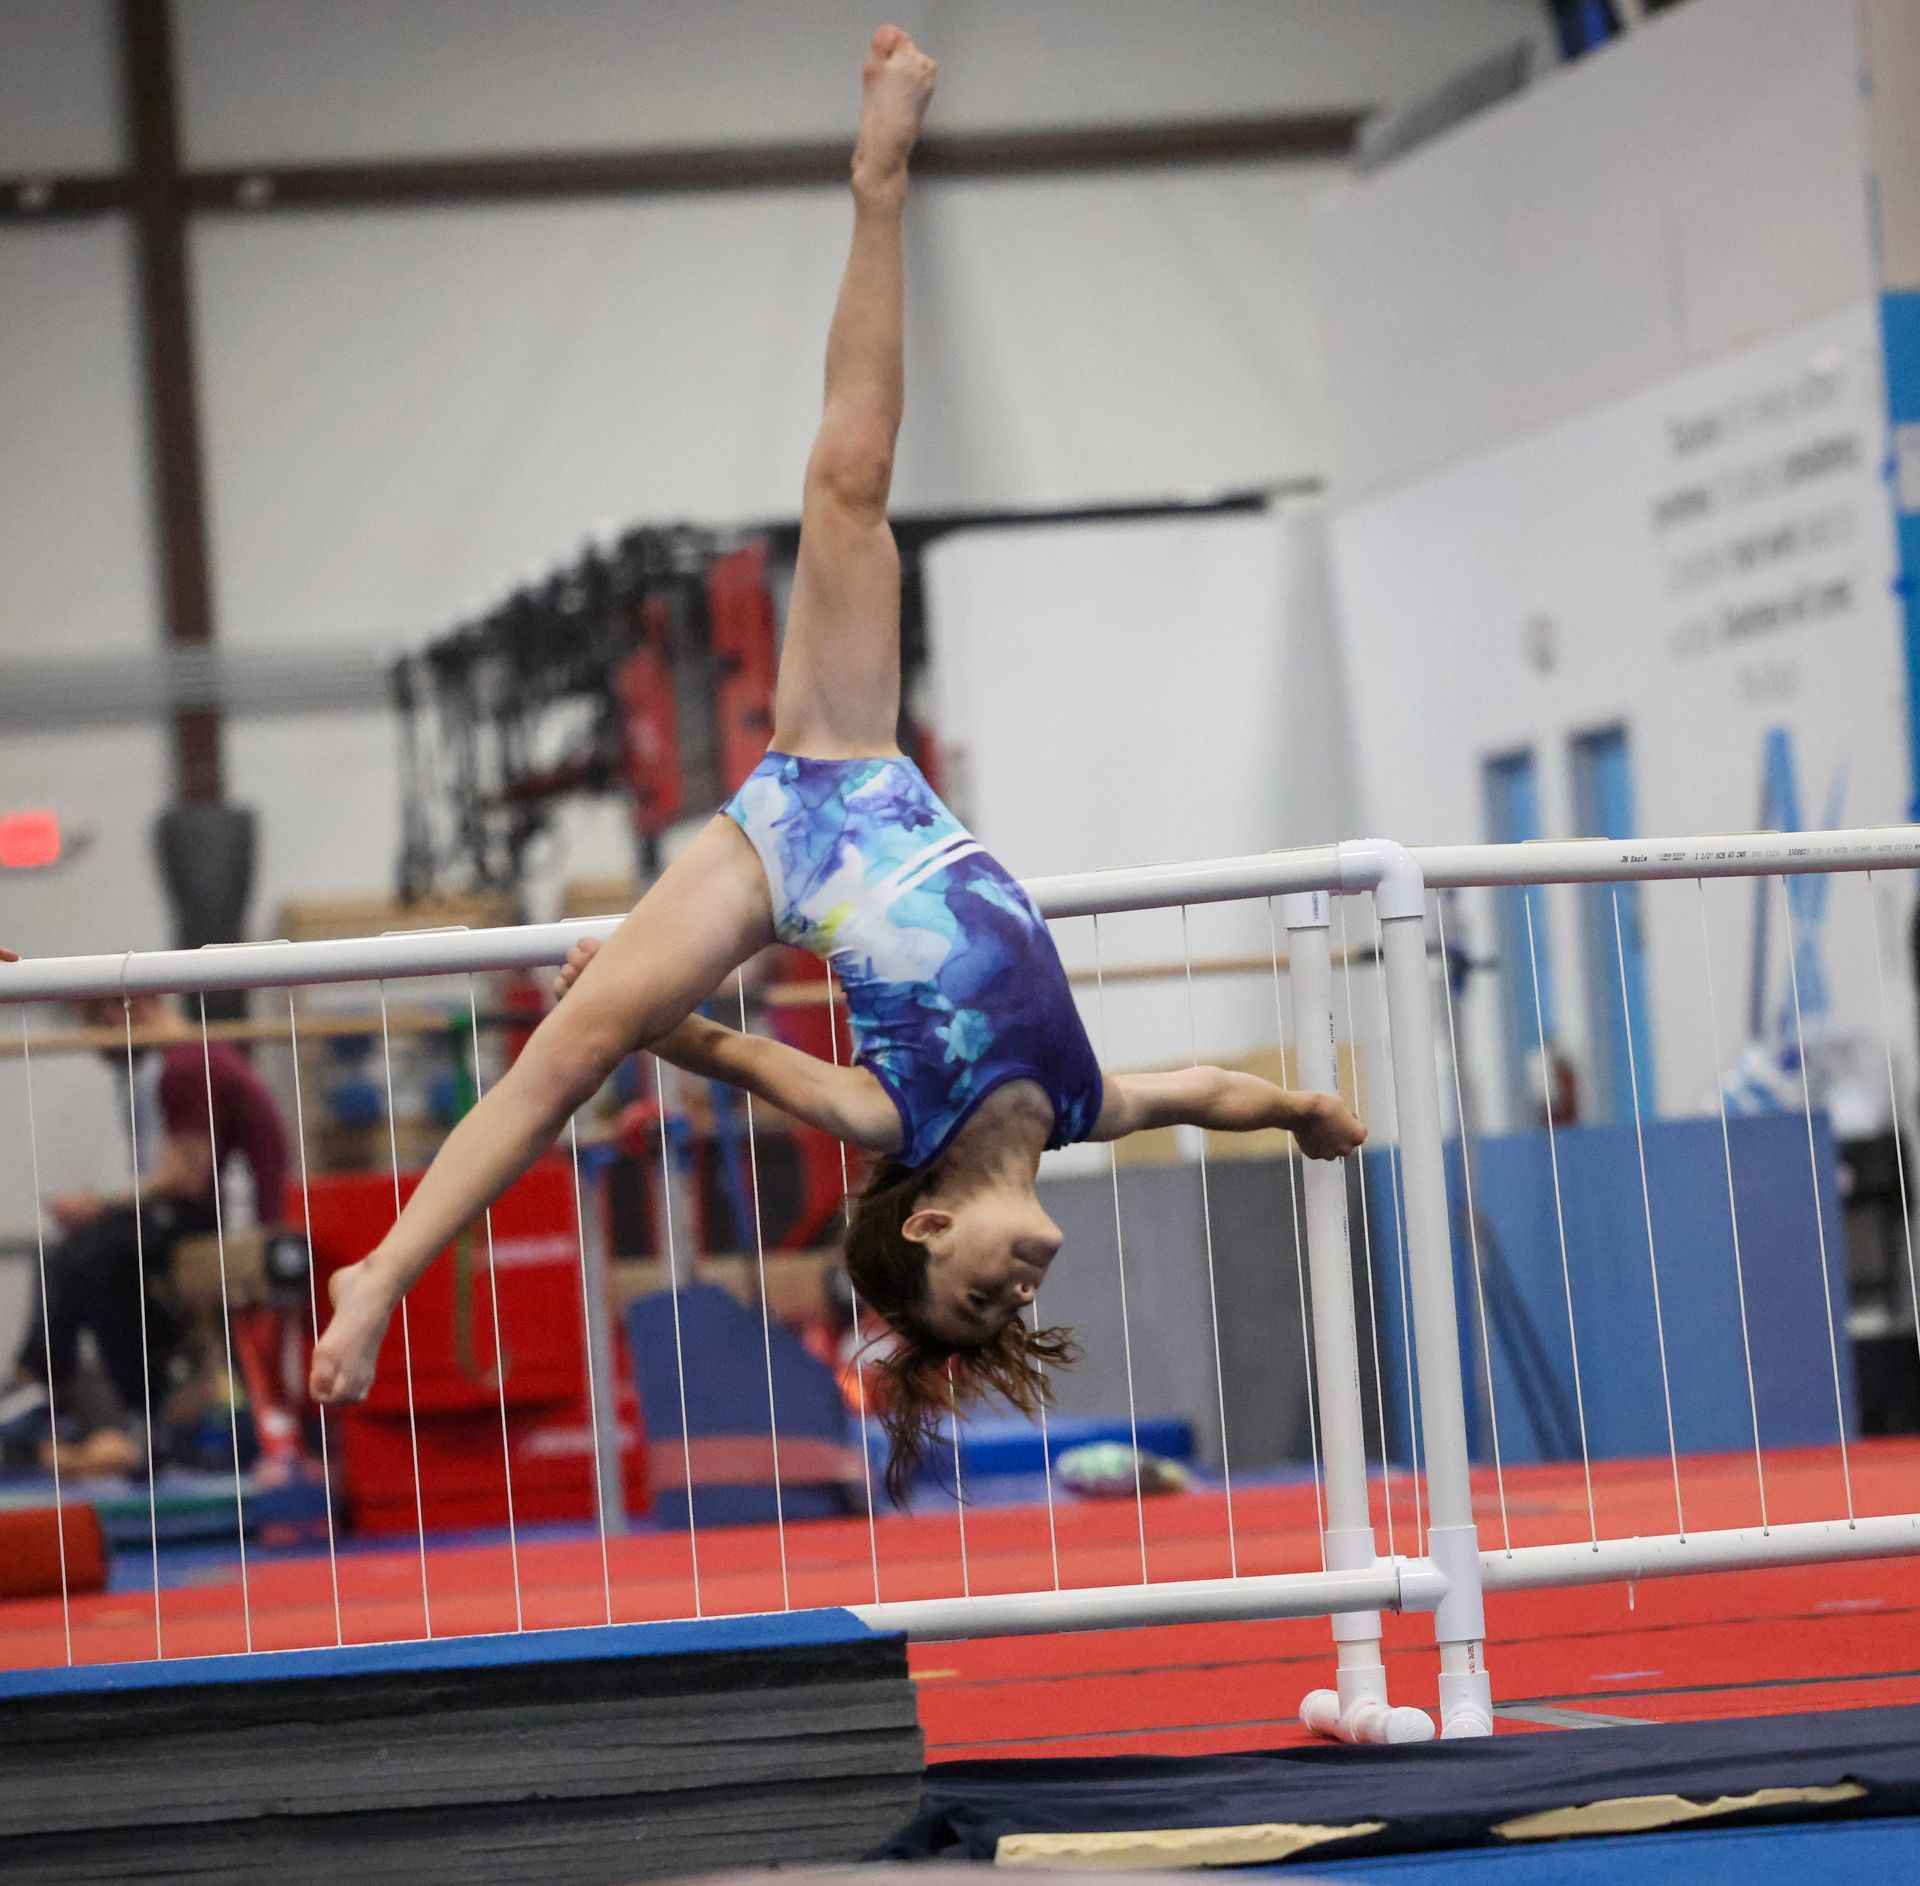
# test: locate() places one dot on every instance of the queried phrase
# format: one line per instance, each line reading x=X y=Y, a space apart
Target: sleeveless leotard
x=952 y=982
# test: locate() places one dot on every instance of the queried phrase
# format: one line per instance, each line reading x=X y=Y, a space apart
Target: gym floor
x=1731 y=1644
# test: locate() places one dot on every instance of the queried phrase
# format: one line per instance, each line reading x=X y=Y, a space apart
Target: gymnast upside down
x=972 y=1059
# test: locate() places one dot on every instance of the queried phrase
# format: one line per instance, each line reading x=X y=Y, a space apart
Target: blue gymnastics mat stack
x=596 y=1757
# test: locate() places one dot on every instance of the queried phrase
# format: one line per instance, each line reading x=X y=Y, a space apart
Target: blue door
x=1511 y=785
x=1614 y=958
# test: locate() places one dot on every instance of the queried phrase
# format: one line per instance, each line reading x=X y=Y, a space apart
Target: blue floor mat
x=1735 y=1856
x=184 y=1507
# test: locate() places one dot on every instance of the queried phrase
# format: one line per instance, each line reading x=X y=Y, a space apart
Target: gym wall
x=1613 y=456
x=404 y=413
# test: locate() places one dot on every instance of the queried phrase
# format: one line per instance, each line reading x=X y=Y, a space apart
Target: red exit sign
x=28 y=840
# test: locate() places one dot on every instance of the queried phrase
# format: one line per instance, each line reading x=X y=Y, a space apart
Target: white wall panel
x=75 y=544
x=1687 y=190
x=357 y=78
x=1109 y=694
x=107 y=785
x=405 y=413
x=1121 y=693
x=1532 y=592
x=59 y=86
x=325 y=792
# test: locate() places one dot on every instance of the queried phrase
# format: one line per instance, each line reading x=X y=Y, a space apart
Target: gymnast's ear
x=927 y=1223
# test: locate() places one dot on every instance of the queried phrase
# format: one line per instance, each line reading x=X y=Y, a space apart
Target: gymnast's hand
x=7 y=956
x=1326 y=1127
x=344 y=1358
x=578 y=958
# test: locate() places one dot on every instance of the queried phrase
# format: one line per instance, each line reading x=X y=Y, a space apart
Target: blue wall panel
x=1606 y=1240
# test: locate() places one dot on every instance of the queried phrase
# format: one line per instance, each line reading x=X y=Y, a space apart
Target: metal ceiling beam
x=560 y=176
x=158 y=207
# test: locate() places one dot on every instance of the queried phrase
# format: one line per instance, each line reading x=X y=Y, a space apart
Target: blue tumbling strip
x=767 y=1631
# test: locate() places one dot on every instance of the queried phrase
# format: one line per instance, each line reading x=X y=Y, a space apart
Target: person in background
x=94 y=1272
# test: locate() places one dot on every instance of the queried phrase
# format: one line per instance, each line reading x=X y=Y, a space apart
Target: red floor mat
x=1732 y=1643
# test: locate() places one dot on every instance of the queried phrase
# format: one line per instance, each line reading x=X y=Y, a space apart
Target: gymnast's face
x=987 y=1255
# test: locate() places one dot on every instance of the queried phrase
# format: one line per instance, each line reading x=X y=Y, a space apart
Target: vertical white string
x=1646 y=1204
x=587 y=1294
x=959 y=1492
x=1559 y=1212
x=226 y=1329
x=1819 y=1207
x=859 y=1345
x=1390 y=1081
x=146 y=1376
x=46 y=1336
x=766 y=1325
x=1473 y=1222
x=1299 y=1248
x=313 y=1307
x=1893 y=1107
x=406 y=1334
x=1046 y=1457
x=679 y=1351
x=1733 y=1206
x=499 y=1348
x=1213 y=1293
x=1120 y=1258
x=1366 y=1228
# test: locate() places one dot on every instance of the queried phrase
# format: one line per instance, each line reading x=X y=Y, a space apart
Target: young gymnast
x=972 y=1059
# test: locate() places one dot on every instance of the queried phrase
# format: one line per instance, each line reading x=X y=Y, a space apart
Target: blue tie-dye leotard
x=952 y=982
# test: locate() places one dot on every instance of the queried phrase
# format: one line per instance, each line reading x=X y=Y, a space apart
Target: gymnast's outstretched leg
x=839 y=687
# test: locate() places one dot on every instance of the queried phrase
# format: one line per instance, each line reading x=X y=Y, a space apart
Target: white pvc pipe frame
x=1450 y=1578
x=1345 y=867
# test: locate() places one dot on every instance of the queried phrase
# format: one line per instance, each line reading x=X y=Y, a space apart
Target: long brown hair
x=924 y=1379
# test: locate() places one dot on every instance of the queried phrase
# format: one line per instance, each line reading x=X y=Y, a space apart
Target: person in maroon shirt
x=93 y=1274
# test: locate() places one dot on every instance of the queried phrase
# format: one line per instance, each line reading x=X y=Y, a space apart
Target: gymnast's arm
x=847 y=1102
x=1228 y=1102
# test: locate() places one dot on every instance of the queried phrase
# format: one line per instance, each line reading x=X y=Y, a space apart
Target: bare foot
x=343 y=1359
x=896 y=88
x=578 y=958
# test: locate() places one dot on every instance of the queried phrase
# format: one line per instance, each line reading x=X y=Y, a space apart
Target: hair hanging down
x=923 y=1379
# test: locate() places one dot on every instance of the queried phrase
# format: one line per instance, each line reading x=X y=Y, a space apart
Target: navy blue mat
x=1441 y=1794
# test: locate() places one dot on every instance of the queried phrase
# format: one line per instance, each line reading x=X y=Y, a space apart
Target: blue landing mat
x=1843 y=1850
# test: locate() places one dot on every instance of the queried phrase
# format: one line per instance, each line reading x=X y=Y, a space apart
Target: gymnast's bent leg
x=707 y=914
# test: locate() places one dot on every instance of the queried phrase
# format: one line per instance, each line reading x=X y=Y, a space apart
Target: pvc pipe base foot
x=1365 y=1721
x=1466 y=1705
x=1408 y=1725
x=1320 y=1714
